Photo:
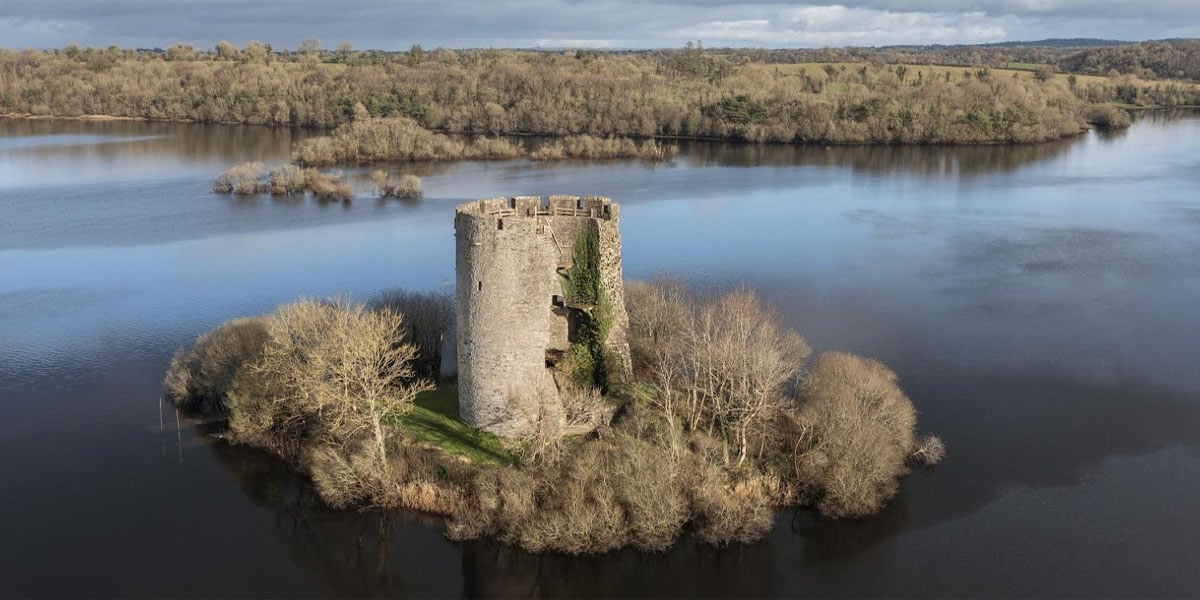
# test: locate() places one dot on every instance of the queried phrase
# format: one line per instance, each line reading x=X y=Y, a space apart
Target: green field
x=1017 y=69
x=1019 y=66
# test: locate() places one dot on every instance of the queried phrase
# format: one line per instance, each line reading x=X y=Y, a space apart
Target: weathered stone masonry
x=512 y=324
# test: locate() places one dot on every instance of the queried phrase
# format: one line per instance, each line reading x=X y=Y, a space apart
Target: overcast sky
x=397 y=24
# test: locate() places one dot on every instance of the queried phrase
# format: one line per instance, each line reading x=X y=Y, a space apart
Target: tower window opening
x=500 y=224
x=480 y=286
x=557 y=300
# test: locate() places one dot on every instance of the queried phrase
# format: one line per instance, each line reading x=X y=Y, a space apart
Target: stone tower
x=514 y=319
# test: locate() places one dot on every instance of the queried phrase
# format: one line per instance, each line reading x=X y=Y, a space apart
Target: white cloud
x=579 y=43
x=21 y=32
x=838 y=25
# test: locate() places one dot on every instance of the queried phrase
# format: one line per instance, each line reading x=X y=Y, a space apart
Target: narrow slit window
x=500 y=224
x=479 y=285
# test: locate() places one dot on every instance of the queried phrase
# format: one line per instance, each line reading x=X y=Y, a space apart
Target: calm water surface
x=1041 y=305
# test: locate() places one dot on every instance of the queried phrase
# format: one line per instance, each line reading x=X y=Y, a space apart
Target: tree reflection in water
x=918 y=160
x=373 y=553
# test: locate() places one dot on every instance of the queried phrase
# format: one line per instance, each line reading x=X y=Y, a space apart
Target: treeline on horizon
x=1152 y=59
x=750 y=95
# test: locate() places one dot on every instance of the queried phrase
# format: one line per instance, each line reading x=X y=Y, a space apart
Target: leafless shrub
x=327 y=187
x=584 y=409
x=286 y=180
x=549 y=151
x=858 y=432
x=587 y=147
x=558 y=422
x=501 y=502
x=283 y=180
x=596 y=148
x=731 y=511
x=315 y=150
x=242 y=179
x=649 y=485
x=200 y=377
x=543 y=441
x=484 y=148
x=600 y=495
x=1108 y=117
x=382 y=180
x=345 y=474
x=930 y=450
x=394 y=139
x=581 y=513
x=428 y=496
x=652 y=151
x=407 y=188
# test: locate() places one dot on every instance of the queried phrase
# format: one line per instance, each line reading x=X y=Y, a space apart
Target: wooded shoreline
x=689 y=94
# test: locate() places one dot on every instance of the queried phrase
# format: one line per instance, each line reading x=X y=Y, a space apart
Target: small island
x=588 y=413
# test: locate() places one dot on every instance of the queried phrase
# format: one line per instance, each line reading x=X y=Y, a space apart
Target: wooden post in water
x=162 y=442
x=178 y=435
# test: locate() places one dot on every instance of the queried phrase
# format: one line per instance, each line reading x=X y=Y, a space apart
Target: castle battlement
x=596 y=207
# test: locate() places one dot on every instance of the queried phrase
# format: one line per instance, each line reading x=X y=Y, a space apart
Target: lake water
x=1041 y=305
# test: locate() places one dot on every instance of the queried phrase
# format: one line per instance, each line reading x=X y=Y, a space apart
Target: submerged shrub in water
x=241 y=179
x=408 y=187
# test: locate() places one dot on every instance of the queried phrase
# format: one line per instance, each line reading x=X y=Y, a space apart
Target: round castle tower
x=514 y=320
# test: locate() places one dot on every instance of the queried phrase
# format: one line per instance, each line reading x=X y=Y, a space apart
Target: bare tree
x=340 y=366
x=310 y=45
x=723 y=367
x=753 y=358
x=226 y=50
x=427 y=318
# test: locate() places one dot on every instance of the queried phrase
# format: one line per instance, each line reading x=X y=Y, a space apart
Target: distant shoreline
x=690 y=94
x=680 y=138
x=33 y=117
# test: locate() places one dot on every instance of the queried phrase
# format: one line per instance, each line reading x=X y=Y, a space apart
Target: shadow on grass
x=434 y=420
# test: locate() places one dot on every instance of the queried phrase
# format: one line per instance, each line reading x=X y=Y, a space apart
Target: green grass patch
x=1020 y=66
x=433 y=420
